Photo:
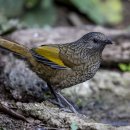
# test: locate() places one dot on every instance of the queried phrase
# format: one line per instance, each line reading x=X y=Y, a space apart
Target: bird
x=63 y=65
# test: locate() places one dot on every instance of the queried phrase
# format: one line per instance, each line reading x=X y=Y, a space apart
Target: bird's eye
x=95 y=40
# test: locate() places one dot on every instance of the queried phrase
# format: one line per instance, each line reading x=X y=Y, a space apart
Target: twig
x=12 y=113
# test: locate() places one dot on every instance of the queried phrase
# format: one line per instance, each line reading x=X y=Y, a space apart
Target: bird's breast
x=87 y=72
x=75 y=76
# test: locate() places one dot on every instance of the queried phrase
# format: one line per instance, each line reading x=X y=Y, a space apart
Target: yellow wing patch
x=50 y=53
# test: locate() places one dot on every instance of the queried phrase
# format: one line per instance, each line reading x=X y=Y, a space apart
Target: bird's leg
x=55 y=95
x=60 y=97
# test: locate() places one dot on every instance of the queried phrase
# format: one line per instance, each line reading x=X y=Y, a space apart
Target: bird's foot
x=66 y=110
x=56 y=103
x=62 y=107
x=63 y=99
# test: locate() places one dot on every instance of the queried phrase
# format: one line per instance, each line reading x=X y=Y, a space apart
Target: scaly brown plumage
x=64 y=65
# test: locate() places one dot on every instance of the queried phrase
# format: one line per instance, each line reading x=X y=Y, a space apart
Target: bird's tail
x=16 y=48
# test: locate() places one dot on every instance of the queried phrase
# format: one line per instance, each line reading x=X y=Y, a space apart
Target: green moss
x=124 y=67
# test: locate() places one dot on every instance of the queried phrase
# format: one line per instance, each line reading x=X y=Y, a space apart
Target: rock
x=59 y=119
x=80 y=91
x=23 y=84
x=117 y=83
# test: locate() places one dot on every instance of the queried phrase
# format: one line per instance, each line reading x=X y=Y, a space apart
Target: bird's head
x=95 y=40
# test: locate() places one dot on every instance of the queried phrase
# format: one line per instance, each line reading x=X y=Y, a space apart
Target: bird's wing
x=49 y=55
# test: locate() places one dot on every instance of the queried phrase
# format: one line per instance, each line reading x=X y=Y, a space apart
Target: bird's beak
x=108 y=41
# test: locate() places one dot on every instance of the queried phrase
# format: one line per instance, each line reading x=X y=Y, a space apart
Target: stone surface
x=23 y=84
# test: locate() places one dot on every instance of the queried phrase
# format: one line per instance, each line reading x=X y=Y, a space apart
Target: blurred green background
x=47 y=13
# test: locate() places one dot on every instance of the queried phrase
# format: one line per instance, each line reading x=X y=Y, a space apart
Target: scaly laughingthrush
x=63 y=65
